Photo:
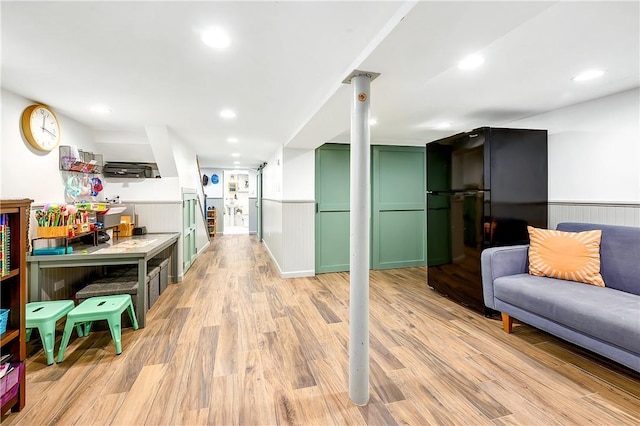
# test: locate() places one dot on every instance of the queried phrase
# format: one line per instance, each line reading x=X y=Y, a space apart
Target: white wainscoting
x=272 y=230
x=73 y=279
x=625 y=214
x=298 y=238
x=159 y=216
x=289 y=235
x=162 y=216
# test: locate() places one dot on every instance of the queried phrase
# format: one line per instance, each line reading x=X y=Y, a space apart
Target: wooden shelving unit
x=211 y=221
x=14 y=295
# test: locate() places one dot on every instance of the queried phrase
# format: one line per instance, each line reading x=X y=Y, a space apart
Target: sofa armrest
x=498 y=262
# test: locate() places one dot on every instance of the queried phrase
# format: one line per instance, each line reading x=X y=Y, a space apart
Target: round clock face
x=40 y=127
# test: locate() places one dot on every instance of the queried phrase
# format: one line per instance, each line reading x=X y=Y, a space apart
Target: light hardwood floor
x=235 y=344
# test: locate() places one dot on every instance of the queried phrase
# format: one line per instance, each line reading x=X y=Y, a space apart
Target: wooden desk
x=136 y=250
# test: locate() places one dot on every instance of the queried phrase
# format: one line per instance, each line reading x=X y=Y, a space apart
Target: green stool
x=43 y=316
x=108 y=308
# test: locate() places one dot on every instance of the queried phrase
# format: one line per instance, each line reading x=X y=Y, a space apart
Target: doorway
x=236 y=202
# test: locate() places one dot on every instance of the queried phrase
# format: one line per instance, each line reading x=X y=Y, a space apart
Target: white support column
x=359 y=223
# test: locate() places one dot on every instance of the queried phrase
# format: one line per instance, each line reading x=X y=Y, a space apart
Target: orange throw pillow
x=573 y=256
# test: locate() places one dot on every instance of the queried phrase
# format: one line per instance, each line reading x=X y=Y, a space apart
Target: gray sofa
x=603 y=320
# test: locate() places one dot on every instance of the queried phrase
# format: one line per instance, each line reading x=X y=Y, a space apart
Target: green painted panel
x=400 y=178
x=401 y=242
x=398 y=207
x=332 y=244
x=189 y=230
x=332 y=177
x=332 y=211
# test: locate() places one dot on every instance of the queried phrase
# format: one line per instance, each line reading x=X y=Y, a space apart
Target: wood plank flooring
x=235 y=344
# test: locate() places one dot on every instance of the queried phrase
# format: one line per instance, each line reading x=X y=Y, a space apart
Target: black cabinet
x=483 y=188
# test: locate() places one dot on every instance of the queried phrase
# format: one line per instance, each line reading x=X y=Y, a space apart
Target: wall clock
x=40 y=127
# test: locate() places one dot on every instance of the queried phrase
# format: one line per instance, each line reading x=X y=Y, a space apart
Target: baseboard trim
x=293 y=274
x=298 y=274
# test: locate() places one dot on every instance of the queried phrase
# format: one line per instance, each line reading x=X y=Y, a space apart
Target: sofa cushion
x=573 y=256
x=619 y=254
x=609 y=315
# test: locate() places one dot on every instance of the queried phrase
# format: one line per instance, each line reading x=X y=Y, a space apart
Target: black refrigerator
x=483 y=188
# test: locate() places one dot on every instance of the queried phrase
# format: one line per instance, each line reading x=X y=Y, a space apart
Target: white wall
x=177 y=165
x=288 y=212
x=190 y=181
x=130 y=145
x=214 y=190
x=272 y=177
x=132 y=190
x=594 y=149
x=162 y=147
x=186 y=165
x=272 y=207
x=26 y=172
x=43 y=182
x=253 y=183
x=299 y=174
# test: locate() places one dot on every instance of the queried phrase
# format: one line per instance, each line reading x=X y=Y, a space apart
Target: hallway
x=235 y=344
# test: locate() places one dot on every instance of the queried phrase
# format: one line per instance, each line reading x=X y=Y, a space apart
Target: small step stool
x=43 y=316
x=108 y=308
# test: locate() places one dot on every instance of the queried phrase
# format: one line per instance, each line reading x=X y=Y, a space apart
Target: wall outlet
x=58 y=285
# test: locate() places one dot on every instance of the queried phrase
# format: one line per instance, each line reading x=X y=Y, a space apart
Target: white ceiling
x=283 y=71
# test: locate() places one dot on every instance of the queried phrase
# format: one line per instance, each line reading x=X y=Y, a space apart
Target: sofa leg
x=507 y=323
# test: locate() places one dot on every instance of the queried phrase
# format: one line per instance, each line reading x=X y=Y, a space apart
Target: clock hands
x=44 y=125
x=48 y=131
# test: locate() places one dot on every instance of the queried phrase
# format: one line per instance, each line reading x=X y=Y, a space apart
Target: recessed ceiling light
x=235 y=154
x=471 y=62
x=443 y=125
x=236 y=162
x=100 y=109
x=216 y=37
x=588 y=75
x=373 y=122
x=232 y=140
x=227 y=113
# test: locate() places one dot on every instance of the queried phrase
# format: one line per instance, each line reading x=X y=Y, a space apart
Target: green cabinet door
x=398 y=207
x=188 y=230
x=332 y=208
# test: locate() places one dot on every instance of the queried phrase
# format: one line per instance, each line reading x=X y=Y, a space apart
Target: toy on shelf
x=62 y=221
x=94 y=207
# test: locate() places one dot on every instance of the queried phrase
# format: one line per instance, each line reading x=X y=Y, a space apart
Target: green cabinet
x=332 y=208
x=397 y=207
